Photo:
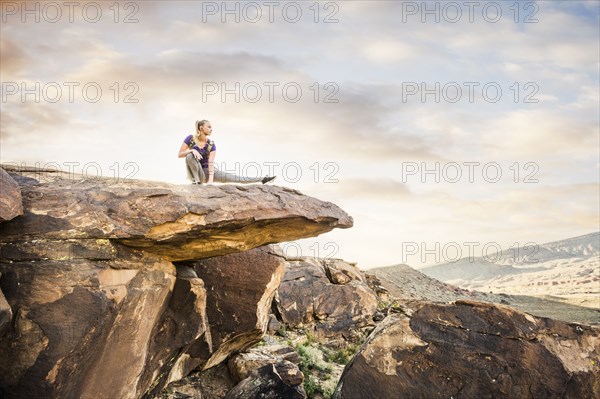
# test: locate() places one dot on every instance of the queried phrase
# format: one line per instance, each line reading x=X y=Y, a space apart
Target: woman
x=200 y=151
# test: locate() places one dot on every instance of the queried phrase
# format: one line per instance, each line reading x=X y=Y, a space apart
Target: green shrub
x=342 y=356
x=282 y=331
x=311 y=386
x=311 y=358
x=310 y=338
x=328 y=388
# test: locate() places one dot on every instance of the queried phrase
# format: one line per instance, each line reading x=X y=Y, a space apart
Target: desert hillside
x=407 y=283
x=568 y=270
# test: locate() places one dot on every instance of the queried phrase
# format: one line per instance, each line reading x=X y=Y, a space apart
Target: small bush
x=344 y=355
x=282 y=331
x=311 y=386
x=312 y=358
x=310 y=338
x=328 y=388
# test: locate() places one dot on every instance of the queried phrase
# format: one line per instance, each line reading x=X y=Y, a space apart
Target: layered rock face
x=94 y=305
x=474 y=350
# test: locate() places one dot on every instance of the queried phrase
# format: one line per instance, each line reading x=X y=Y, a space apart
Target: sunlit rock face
x=474 y=350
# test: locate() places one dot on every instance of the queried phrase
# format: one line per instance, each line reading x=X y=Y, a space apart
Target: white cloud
x=390 y=50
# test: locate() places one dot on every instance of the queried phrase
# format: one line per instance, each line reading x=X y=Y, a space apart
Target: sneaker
x=267 y=179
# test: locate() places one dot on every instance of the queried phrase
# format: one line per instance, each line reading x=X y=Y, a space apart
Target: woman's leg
x=192 y=166
x=224 y=177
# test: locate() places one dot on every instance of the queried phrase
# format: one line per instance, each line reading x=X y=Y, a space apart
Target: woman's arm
x=211 y=166
x=184 y=150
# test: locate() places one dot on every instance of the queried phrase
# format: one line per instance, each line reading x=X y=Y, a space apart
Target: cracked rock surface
x=329 y=294
x=474 y=350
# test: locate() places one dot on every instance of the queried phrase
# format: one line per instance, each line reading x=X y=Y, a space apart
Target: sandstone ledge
x=176 y=222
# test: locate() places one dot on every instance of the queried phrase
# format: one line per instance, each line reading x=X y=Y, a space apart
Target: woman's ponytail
x=199 y=124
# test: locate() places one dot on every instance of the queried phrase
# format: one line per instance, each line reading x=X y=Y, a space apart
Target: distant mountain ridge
x=585 y=245
x=582 y=246
x=564 y=267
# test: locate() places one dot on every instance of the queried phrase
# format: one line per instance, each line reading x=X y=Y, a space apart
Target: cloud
x=357 y=125
x=33 y=122
x=14 y=59
x=390 y=50
x=364 y=190
x=538 y=210
x=541 y=134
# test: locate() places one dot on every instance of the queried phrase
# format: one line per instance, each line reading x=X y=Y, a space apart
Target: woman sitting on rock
x=200 y=151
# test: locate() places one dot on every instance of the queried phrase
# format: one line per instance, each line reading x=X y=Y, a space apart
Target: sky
x=445 y=129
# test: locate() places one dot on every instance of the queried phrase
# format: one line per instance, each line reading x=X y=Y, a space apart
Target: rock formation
x=273 y=381
x=474 y=350
x=243 y=364
x=115 y=289
x=96 y=306
x=10 y=197
x=174 y=222
x=240 y=288
x=266 y=372
x=330 y=294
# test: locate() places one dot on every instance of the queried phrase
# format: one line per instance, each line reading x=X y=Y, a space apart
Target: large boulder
x=181 y=339
x=240 y=289
x=243 y=364
x=10 y=197
x=96 y=307
x=474 y=350
x=80 y=323
x=273 y=381
x=329 y=294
